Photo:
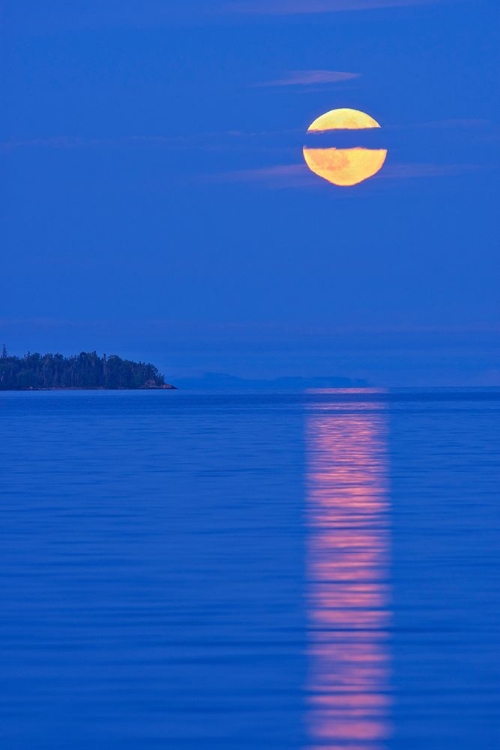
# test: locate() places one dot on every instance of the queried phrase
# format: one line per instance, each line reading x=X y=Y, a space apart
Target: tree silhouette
x=85 y=370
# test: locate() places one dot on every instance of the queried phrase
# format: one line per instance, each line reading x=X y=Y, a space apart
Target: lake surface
x=298 y=571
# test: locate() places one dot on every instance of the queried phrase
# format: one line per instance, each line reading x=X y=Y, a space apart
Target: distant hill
x=86 y=371
x=212 y=381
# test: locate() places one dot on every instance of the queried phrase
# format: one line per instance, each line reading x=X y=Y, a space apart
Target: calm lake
x=283 y=571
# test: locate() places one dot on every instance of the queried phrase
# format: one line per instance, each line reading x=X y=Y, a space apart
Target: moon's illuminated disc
x=343 y=119
x=344 y=166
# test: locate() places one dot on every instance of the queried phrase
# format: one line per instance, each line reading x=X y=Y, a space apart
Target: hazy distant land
x=83 y=371
x=212 y=381
x=89 y=371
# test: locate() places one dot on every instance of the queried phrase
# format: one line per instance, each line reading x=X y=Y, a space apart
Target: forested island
x=83 y=371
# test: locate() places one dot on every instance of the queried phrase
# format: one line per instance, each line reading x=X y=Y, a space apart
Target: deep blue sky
x=157 y=206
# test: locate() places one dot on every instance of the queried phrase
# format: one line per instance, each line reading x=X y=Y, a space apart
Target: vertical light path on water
x=348 y=591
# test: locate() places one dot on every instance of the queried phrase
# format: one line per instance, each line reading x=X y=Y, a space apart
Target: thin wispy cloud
x=452 y=123
x=228 y=140
x=279 y=176
x=68 y=142
x=310 y=7
x=96 y=14
x=298 y=176
x=411 y=171
x=309 y=78
x=181 y=326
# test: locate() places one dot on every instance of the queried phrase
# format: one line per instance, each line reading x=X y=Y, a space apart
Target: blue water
x=257 y=571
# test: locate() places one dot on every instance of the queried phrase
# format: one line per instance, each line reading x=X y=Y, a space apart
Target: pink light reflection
x=349 y=596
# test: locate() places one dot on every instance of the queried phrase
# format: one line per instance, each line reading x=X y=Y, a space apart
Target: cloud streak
x=61 y=15
x=309 y=78
x=69 y=142
x=298 y=176
x=208 y=141
x=310 y=7
x=453 y=123
x=279 y=176
x=411 y=171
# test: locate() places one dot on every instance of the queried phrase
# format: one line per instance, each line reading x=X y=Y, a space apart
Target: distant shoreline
x=166 y=387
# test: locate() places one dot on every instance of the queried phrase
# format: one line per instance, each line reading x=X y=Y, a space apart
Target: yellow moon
x=344 y=166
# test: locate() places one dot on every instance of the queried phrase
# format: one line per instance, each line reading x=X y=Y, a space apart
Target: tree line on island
x=85 y=370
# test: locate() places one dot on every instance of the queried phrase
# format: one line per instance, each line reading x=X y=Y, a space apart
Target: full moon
x=344 y=166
